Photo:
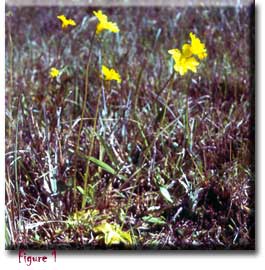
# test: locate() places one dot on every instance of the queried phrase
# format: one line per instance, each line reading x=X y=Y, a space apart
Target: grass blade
x=103 y=165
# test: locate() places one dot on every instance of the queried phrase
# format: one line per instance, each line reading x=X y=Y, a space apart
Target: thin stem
x=11 y=65
x=138 y=87
x=137 y=173
x=164 y=86
x=105 y=110
x=82 y=115
x=16 y=156
x=87 y=173
x=187 y=126
x=139 y=79
x=169 y=93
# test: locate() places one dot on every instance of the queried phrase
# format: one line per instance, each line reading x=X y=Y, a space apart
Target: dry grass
x=210 y=179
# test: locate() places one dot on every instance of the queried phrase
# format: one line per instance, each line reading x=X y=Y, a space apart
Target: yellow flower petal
x=197 y=47
x=184 y=64
x=54 y=72
x=191 y=64
x=65 y=21
x=71 y=22
x=101 y=17
x=112 y=27
x=174 y=51
x=110 y=74
x=100 y=28
x=186 y=50
x=104 y=24
x=185 y=60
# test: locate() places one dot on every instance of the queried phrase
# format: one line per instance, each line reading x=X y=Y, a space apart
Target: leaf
x=158 y=34
x=112 y=238
x=108 y=150
x=113 y=234
x=125 y=237
x=154 y=220
x=83 y=217
x=165 y=194
x=122 y=215
x=103 y=165
x=80 y=189
x=37 y=237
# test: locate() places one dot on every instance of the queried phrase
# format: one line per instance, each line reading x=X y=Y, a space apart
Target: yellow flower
x=66 y=22
x=186 y=50
x=110 y=74
x=183 y=64
x=104 y=24
x=54 y=72
x=185 y=60
x=197 y=47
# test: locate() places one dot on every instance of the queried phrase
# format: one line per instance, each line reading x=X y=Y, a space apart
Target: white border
x=128 y=2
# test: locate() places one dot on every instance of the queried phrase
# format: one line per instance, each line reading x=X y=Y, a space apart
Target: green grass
x=171 y=177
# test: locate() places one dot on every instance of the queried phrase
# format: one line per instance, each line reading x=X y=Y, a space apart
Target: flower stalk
x=82 y=116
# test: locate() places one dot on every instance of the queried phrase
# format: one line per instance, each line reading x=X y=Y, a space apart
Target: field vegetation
x=155 y=160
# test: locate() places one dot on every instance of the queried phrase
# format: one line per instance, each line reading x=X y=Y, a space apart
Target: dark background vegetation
x=211 y=181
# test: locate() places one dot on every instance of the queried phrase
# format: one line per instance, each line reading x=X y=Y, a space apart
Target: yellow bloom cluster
x=54 y=72
x=185 y=60
x=104 y=24
x=66 y=22
x=110 y=74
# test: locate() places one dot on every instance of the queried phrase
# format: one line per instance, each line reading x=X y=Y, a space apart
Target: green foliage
x=103 y=165
x=85 y=218
x=113 y=234
x=154 y=220
x=7 y=237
